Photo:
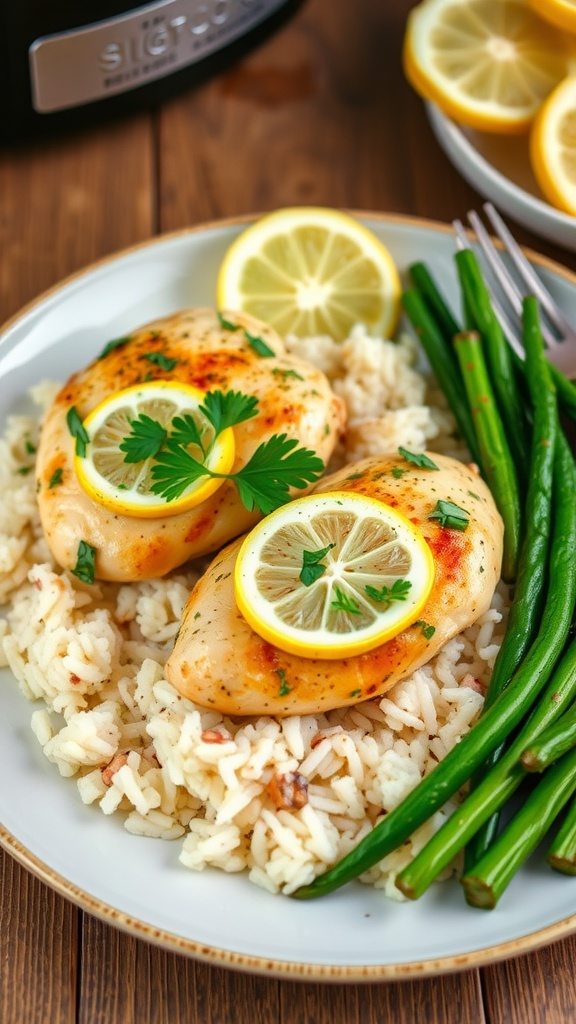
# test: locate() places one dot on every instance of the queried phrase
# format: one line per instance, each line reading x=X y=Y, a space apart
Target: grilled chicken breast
x=220 y=662
x=294 y=399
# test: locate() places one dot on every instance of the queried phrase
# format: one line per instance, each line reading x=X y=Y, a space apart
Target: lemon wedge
x=311 y=270
x=125 y=487
x=558 y=12
x=332 y=575
x=553 y=147
x=489 y=64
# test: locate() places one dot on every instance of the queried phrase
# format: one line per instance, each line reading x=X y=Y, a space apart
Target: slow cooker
x=66 y=62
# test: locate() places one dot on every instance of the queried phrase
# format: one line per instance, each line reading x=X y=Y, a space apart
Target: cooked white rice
x=92 y=657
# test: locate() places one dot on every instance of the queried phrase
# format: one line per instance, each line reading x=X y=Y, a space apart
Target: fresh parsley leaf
x=84 y=568
x=116 y=343
x=265 y=481
x=174 y=470
x=397 y=592
x=225 y=324
x=427 y=629
x=56 y=478
x=312 y=570
x=450 y=516
x=224 y=410
x=344 y=603
x=78 y=431
x=144 y=441
x=164 y=362
x=259 y=345
x=185 y=431
x=418 y=458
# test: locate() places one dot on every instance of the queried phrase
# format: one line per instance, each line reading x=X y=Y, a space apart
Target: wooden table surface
x=318 y=114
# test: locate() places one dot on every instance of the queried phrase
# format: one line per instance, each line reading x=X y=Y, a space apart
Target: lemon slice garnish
x=332 y=575
x=553 y=147
x=310 y=270
x=126 y=487
x=489 y=64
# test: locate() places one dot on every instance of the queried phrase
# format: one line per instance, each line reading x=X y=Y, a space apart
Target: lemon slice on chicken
x=123 y=483
x=311 y=270
x=331 y=575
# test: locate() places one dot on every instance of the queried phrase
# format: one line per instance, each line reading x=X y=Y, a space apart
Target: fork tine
x=510 y=330
x=502 y=274
x=527 y=272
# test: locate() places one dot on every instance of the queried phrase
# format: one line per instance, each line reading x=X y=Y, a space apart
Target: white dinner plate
x=138 y=883
x=498 y=167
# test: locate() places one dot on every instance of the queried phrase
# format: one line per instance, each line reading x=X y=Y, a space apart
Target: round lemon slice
x=105 y=471
x=309 y=271
x=558 y=12
x=489 y=64
x=332 y=575
x=553 y=147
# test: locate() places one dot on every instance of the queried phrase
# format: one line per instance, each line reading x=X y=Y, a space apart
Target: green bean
x=533 y=561
x=505 y=715
x=441 y=359
x=562 y=852
x=425 y=284
x=498 y=354
x=495 y=457
x=494 y=789
x=486 y=883
x=551 y=744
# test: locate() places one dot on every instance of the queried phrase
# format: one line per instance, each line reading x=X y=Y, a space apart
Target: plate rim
x=215 y=955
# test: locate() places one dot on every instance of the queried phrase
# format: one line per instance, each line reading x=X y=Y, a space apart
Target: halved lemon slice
x=332 y=575
x=558 y=12
x=126 y=486
x=311 y=270
x=553 y=147
x=489 y=64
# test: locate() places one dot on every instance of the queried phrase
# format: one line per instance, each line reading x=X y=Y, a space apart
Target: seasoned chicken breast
x=194 y=346
x=219 y=661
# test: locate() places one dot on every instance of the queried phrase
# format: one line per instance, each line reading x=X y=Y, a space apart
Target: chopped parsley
x=285 y=374
x=259 y=345
x=55 y=479
x=225 y=324
x=344 y=603
x=86 y=557
x=164 y=362
x=426 y=628
x=386 y=595
x=450 y=516
x=418 y=458
x=116 y=343
x=312 y=569
x=397 y=472
x=78 y=431
x=284 y=688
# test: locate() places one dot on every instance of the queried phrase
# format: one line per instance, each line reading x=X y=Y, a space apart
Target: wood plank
x=536 y=989
x=69 y=201
x=38 y=945
x=442 y=1000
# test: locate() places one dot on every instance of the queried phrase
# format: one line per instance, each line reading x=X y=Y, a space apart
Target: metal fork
x=515 y=281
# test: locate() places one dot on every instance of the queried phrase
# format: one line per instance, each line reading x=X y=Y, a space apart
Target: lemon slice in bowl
x=332 y=575
x=311 y=270
x=553 y=147
x=143 y=415
x=488 y=64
